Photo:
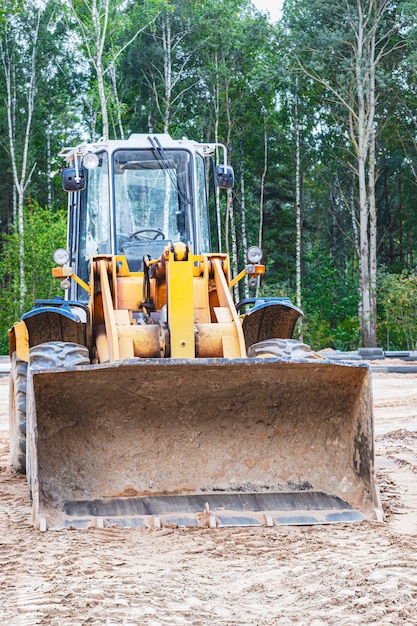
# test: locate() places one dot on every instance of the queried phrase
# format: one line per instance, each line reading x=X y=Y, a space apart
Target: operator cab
x=153 y=198
x=135 y=197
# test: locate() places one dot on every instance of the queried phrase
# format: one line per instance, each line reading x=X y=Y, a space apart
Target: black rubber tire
x=17 y=414
x=286 y=349
x=58 y=354
x=48 y=355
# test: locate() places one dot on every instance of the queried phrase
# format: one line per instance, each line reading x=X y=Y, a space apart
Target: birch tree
x=241 y=91
x=297 y=134
x=167 y=59
x=19 y=51
x=177 y=79
x=342 y=51
x=106 y=32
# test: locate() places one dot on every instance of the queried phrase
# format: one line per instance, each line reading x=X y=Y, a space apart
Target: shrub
x=45 y=230
x=397 y=310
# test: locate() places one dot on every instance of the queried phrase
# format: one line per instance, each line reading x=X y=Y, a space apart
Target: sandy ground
x=314 y=576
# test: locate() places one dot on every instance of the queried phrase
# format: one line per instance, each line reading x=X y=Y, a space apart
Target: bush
x=45 y=230
x=330 y=304
x=397 y=310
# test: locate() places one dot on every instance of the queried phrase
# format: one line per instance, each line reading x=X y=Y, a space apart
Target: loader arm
x=192 y=312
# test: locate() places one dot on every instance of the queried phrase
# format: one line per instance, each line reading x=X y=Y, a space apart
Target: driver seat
x=134 y=251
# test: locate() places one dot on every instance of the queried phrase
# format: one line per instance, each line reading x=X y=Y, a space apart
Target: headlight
x=254 y=255
x=90 y=161
x=61 y=256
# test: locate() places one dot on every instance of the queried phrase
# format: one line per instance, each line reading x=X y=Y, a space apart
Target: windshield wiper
x=184 y=201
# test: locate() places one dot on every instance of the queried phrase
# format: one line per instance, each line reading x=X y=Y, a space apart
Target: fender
x=269 y=318
x=53 y=320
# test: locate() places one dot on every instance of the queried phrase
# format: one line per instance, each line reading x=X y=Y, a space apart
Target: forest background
x=318 y=111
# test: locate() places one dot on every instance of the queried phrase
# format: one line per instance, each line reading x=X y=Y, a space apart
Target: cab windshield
x=152 y=200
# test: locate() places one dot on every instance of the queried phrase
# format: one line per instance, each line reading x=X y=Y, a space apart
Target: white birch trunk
x=262 y=190
x=371 y=192
x=117 y=101
x=297 y=206
x=356 y=249
x=243 y=224
x=235 y=260
x=166 y=42
x=21 y=176
x=372 y=241
x=216 y=139
x=262 y=197
x=230 y=216
x=48 y=163
x=100 y=32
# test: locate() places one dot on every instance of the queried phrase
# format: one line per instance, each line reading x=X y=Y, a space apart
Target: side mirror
x=224 y=176
x=69 y=182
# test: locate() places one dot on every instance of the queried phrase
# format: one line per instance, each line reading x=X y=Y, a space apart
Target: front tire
x=285 y=349
x=17 y=414
x=58 y=354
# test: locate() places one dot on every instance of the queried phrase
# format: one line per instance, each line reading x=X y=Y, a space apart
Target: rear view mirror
x=224 y=176
x=73 y=180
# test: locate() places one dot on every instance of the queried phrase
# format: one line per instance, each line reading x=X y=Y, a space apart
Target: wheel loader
x=146 y=397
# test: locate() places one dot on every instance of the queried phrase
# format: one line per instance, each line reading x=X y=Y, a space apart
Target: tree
x=19 y=54
x=343 y=48
x=102 y=26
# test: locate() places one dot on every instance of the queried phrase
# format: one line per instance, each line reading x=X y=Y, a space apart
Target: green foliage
x=219 y=70
x=45 y=231
x=104 y=32
x=397 y=311
x=330 y=304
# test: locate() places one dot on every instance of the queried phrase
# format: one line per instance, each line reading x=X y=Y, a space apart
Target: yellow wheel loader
x=147 y=397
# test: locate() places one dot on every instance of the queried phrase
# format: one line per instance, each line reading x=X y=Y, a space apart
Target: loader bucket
x=204 y=442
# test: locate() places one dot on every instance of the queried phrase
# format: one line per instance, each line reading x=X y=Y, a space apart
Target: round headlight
x=255 y=254
x=61 y=256
x=90 y=161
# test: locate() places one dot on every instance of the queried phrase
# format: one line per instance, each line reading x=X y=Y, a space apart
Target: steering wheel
x=158 y=233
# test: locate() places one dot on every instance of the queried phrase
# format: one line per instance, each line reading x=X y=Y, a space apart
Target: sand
x=364 y=573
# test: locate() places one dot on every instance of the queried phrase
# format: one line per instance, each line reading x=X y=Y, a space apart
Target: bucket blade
x=213 y=442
